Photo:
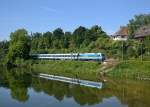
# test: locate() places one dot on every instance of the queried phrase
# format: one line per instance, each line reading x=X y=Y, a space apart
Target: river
x=19 y=88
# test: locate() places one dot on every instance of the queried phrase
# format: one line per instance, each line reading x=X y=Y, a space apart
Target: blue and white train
x=71 y=56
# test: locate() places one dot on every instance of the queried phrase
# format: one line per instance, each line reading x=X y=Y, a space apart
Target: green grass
x=90 y=70
x=131 y=69
x=80 y=69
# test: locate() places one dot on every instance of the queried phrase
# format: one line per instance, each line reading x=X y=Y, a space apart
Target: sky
x=47 y=15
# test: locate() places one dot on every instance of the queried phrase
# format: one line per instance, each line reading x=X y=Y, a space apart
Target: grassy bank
x=131 y=69
x=89 y=70
x=80 y=69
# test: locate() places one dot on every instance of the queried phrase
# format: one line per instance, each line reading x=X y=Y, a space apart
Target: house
x=121 y=34
x=142 y=32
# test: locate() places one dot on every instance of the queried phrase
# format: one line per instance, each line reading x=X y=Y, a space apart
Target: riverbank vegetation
x=132 y=70
x=74 y=69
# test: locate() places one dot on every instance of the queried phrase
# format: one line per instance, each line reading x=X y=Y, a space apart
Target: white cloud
x=49 y=9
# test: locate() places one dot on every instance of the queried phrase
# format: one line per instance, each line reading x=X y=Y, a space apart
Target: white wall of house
x=119 y=38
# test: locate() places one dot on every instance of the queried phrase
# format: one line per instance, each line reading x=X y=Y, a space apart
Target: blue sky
x=47 y=15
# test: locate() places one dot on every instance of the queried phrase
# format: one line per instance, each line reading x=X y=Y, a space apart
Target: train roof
x=58 y=54
x=91 y=53
x=68 y=54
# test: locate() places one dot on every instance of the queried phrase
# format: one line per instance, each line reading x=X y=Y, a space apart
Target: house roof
x=142 y=32
x=123 y=31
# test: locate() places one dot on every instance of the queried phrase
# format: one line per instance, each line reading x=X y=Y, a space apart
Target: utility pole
x=122 y=51
x=141 y=50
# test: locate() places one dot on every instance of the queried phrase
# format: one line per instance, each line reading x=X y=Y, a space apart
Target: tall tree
x=57 y=38
x=67 y=38
x=3 y=49
x=137 y=22
x=79 y=36
x=19 y=46
x=47 y=38
x=97 y=32
x=35 y=41
x=58 y=33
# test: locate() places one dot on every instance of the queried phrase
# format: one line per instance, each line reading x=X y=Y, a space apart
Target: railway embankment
x=133 y=69
x=107 y=65
x=75 y=69
x=92 y=70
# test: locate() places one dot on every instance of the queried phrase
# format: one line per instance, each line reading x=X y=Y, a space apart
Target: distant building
x=122 y=34
x=142 y=32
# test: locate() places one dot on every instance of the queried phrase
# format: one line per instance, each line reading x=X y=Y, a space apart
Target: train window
x=103 y=55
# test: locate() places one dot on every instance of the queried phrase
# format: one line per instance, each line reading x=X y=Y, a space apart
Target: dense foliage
x=3 y=49
x=19 y=47
x=50 y=42
x=137 y=22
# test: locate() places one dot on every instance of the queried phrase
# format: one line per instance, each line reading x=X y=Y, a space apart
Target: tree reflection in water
x=131 y=93
x=18 y=81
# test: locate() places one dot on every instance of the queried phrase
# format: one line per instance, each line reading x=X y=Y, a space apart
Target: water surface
x=18 y=88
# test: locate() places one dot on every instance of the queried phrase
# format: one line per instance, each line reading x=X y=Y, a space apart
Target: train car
x=91 y=56
x=71 y=56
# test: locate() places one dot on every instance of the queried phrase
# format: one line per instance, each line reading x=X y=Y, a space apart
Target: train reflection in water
x=72 y=80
